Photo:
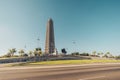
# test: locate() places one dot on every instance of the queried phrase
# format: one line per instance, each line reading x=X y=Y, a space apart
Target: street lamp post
x=74 y=43
x=38 y=40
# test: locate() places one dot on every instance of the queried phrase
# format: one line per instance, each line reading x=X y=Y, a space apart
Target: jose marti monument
x=50 y=40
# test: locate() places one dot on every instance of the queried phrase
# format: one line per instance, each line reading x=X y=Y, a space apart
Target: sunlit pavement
x=62 y=72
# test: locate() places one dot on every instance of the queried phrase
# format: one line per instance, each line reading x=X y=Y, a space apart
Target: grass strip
x=60 y=62
x=74 y=62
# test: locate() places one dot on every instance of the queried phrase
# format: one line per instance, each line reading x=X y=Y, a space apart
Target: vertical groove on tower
x=50 y=43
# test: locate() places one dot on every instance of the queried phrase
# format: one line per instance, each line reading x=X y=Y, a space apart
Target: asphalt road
x=62 y=72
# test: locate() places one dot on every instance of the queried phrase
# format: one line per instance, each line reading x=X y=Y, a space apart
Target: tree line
x=95 y=54
x=38 y=52
x=22 y=53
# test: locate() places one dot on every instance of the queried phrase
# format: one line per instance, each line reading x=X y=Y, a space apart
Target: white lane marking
x=93 y=78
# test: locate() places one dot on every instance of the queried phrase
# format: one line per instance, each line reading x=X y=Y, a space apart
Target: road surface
x=62 y=72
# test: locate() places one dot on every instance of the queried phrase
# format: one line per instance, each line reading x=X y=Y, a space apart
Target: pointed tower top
x=50 y=19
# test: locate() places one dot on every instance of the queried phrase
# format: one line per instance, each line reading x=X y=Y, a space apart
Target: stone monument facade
x=50 y=41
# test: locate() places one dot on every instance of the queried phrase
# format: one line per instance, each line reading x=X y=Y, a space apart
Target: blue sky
x=94 y=25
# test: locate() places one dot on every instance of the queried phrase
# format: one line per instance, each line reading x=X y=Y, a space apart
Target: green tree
x=7 y=55
x=117 y=57
x=84 y=54
x=100 y=54
x=64 y=51
x=107 y=54
x=37 y=52
x=30 y=53
x=12 y=51
x=21 y=52
x=94 y=53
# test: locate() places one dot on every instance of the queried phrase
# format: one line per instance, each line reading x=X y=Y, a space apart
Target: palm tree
x=94 y=53
x=100 y=54
x=107 y=54
x=12 y=51
x=8 y=55
x=37 y=52
x=30 y=53
x=21 y=52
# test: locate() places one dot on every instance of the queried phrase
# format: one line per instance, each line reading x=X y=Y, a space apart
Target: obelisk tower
x=50 y=42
